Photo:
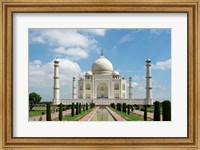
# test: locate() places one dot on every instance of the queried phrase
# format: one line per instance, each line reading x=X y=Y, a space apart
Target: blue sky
x=77 y=49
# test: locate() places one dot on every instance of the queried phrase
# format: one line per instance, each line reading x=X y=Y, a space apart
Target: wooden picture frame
x=8 y=7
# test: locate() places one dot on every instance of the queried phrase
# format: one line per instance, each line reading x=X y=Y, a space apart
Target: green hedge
x=156 y=116
x=60 y=111
x=48 y=116
x=166 y=110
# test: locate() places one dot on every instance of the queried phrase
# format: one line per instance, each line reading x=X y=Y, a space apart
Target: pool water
x=102 y=114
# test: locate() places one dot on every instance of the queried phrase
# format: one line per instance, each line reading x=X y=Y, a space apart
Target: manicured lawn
x=76 y=117
x=151 y=109
x=37 y=111
x=131 y=117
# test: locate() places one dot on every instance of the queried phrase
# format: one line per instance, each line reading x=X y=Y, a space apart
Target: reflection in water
x=102 y=114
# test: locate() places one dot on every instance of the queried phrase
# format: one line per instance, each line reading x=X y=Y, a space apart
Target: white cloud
x=72 y=53
x=159 y=31
x=37 y=62
x=135 y=84
x=61 y=38
x=99 y=32
x=38 y=39
x=65 y=38
x=162 y=65
x=42 y=75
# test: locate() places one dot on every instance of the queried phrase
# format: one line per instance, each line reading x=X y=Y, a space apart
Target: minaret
x=56 y=87
x=148 y=82
x=74 y=88
x=130 y=88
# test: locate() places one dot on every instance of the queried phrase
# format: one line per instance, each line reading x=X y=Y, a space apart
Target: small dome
x=88 y=73
x=56 y=61
x=148 y=60
x=116 y=73
x=102 y=66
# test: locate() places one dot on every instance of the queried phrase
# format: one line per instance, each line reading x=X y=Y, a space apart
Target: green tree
x=77 y=111
x=48 y=116
x=79 y=108
x=128 y=109
x=86 y=106
x=34 y=98
x=156 y=116
x=145 y=112
x=60 y=111
x=72 y=113
x=166 y=110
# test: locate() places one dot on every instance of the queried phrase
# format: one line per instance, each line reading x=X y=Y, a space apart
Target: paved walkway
x=89 y=115
x=115 y=115
x=149 y=115
x=53 y=116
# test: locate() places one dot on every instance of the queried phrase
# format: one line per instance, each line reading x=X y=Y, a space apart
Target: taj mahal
x=102 y=85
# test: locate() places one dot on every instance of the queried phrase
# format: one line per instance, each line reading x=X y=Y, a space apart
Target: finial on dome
x=101 y=52
x=56 y=60
x=148 y=60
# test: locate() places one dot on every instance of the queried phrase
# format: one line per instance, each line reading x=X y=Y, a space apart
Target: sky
x=77 y=49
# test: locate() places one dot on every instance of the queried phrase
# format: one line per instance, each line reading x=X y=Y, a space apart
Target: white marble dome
x=115 y=73
x=88 y=73
x=102 y=66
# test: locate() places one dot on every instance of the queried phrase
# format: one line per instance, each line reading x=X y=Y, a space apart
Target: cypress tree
x=120 y=107
x=156 y=116
x=128 y=109
x=79 y=108
x=166 y=110
x=86 y=106
x=48 y=114
x=60 y=111
x=145 y=112
x=72 y=113
x=77 y=111
x=124 y=107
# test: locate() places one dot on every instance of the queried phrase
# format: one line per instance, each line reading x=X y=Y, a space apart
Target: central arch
x=102 y=91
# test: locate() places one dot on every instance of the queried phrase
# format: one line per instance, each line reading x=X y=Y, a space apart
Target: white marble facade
x=103 y=85
x=102 y=82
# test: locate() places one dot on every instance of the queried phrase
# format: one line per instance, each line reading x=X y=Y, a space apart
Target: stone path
x=89 y=115
x=53 y=116
x=115 y=115
x=149 y=115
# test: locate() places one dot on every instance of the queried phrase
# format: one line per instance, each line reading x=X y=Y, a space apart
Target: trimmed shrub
x=128 y=109
x=92 y=105
x=60 y=112
x=43 y=113
x=118 y=106
x=145 y=112
x=112 y=105
x=48 y=116
x=142 y=109
x=166 y=110
x=132 y=108
x=79 y=108
x=86 y=106
x=77 y=111
x=156 y=116
x=124 y=107
x=72 y=110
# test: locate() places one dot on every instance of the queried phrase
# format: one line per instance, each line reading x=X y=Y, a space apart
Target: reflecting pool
x=102 y=114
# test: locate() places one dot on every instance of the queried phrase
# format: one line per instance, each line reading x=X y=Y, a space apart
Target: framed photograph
x=84 y=74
